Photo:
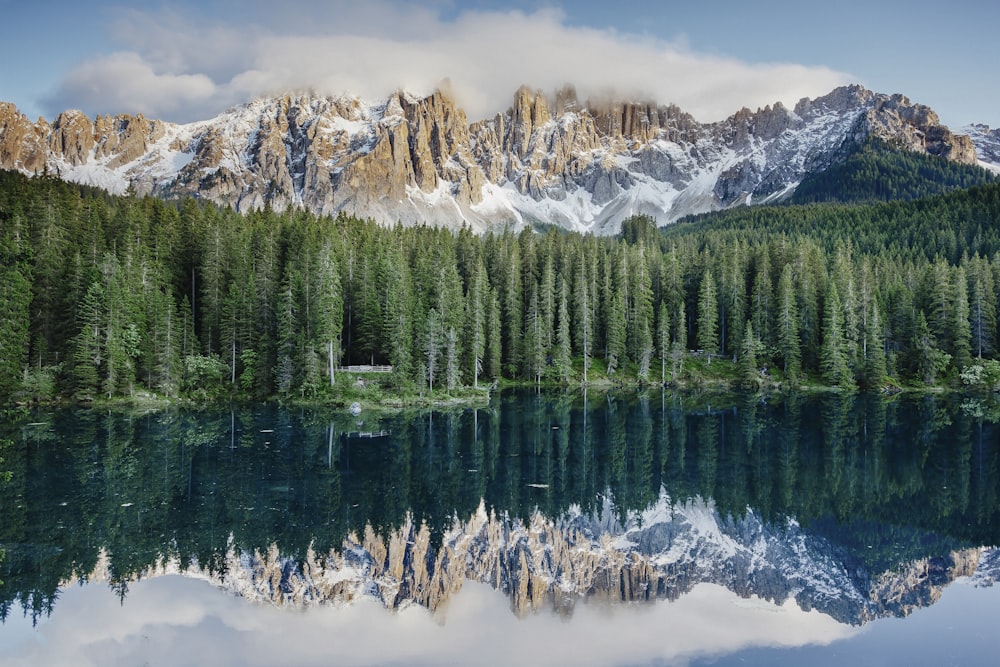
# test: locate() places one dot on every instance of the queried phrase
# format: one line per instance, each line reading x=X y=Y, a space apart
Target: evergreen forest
x=877 y=171
x=107 y=296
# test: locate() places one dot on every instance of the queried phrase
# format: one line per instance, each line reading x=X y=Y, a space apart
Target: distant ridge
x=549 y=159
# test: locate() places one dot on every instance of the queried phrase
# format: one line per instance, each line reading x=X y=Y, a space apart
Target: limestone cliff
x=548 y=159
x=556 y=563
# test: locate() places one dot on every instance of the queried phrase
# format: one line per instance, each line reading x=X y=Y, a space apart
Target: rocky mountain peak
x=661 y=553
x=548 y=159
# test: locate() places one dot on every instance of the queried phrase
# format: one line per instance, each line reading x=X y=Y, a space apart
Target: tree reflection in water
x=885 y=483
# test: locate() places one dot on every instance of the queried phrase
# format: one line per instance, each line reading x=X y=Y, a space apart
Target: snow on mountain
x=660 y=553
x=987 y=143
x=547 y=160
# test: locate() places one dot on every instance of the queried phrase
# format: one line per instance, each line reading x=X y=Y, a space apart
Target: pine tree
x=534 y=340
x=672 y=287
x=982 y=307
x=640 y=320
x=746 y=366
x=873 y=370
x=164 y=350
x=961 y=331
x=511 y=307
x=615 y=331
x=451 y=372
x=328 y=310
x=267 y=274
x=929 y=361
x=288 y=326
x=494 y=340
x=214 y=260
x=679 y=347
x=399 y=311
x=787 y=324
x=475 y=321
x=15 y=300
x=49 y=244
x=432 y=346
x=708 y=316
x=91 y=341
x=810 y=278
x=936 y=293
x=234 y=307
x=584 y=315
x=367 y=317
x=761 y=296
x=663 y=339
x=732 y=304
x=844 y=276
x=547 y=301
x=562 y=351
x=833 y=357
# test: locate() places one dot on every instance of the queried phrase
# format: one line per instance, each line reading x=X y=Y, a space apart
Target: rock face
x=987 y=143
x=549 y=159
x=661 y=553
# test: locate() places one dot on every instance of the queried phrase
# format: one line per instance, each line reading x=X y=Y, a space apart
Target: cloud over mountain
x=182 y=65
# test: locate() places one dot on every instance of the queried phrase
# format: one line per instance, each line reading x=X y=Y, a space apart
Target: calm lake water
x=600 y=529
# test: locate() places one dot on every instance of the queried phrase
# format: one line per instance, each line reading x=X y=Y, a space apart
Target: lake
x=556 y=528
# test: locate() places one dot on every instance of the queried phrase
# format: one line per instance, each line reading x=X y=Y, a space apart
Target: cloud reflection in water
x=174 y=620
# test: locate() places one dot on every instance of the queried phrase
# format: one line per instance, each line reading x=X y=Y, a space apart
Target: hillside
x=549 y=159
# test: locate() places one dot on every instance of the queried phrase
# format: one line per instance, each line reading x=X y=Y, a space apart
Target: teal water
x=880 y=484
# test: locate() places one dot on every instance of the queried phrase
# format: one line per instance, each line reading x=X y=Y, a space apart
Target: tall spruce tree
x=746 y=365
x=476 y=316
x=534 y=339
x=787 y=325
x=982 y=307
x=584 y=314
x=833 y=356
x=663 y=339
x=961 y=330
x=708 y=316
x=561 y=356
x=15 y=300
x=433 y=342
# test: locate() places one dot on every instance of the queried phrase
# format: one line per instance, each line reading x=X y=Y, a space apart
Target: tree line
x=106 y=296
x=875 y=170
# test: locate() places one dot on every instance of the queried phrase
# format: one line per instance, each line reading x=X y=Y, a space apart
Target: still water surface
x=555 y=528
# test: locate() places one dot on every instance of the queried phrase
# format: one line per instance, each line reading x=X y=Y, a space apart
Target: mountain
x=547 y=160
x=878 y=172
x=987 y=143
x=660 y=553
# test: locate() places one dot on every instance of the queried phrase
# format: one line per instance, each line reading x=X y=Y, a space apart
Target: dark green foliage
x=708 y=316
x=15 y=299
x=947 y=226
x=746 y=368
x=878 y=172
x=189 y=299
x=833 y=365
x=640 y=229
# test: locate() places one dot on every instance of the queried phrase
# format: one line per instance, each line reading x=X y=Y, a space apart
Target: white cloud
x=185 y=67
x=174 y=620
x=124 y=82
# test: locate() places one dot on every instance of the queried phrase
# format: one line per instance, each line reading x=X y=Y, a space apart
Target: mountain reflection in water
x=854 y=506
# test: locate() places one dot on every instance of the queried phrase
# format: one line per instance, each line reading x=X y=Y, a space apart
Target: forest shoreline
x=398 y=401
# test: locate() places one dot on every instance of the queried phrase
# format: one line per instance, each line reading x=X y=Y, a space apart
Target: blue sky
x=187 y=60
